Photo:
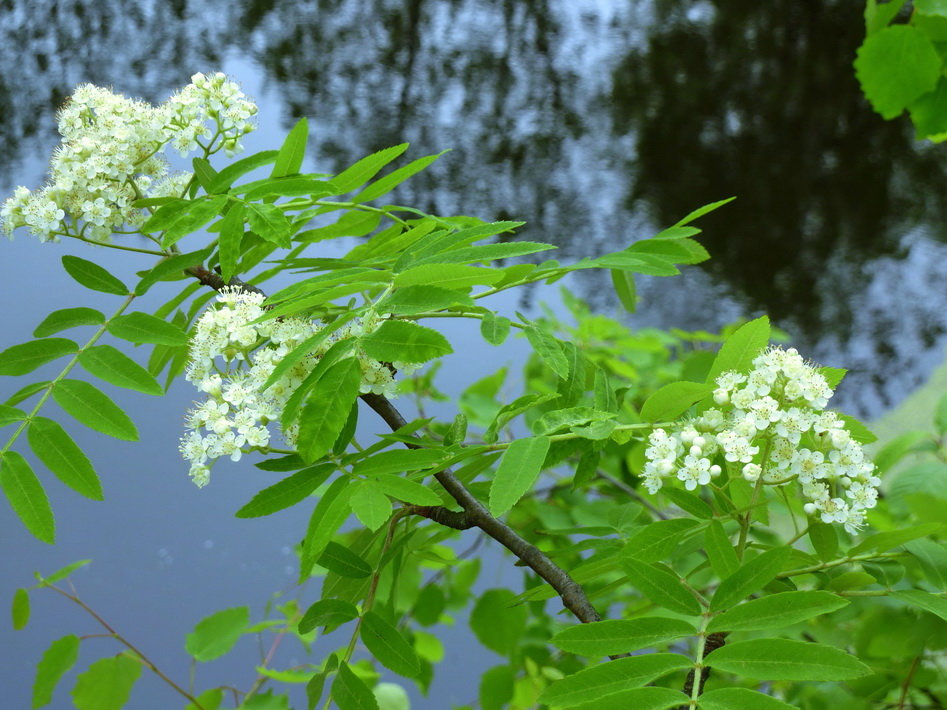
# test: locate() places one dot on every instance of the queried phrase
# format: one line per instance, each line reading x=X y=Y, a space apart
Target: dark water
x=595 y=122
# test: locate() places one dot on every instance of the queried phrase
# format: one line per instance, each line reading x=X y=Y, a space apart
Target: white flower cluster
x=110 y=156
x=234 y=416
x=771 y=427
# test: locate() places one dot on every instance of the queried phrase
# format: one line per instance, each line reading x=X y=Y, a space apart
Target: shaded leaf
x=341 y=560
x=286 y=493
x=592 y=684
x=519 y=468
x=740 y=699
x=388 y=646
x=777 y=611
x=20 y=609
x=604 y=638
x=327 y=612
x=753 y=575
x=782 y=659
x=660 y=586
x=350 y=692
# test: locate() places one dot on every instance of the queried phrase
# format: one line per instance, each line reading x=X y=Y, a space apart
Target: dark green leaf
x=388 y=646
x=171 y=268
x=344 y=562
x=548 y=348
x=205 y=174
x=657 y=540
x=365 y=169
x=932 y=556
x=740 y=699
x=624 y=284
x=225 y=178
x=113 y=366
x=777 y=611
x=923 y=600
x=402 y=341
x=141 y=327
x=496 y=687
x=350 y=692
x=94 y=409
x=185 y=221
x=20 y=609
x=93 y=276
x=327 y=517
x=286 y=493
x=753 y=575
x=405 y=490
x=398 y=461
x=782 y=659
x=660 y=586
x=68 y=318
x=61 y=655
x=390 y=181
x=269 y=222
x=824 y=539
x=55 y=448
x=26 y=496
x=327 y=612
x=26 y=357
x=328 y=408
x=639 y=699
x=723 y=558
x=421 y=299
x=498 y=621
x=593 y=684
x=293 y=151
x=216 y=634
x=10 y=415
x=370 y=505
x=604 y=638
x=107 y=684
x=229 y=240
x=518 y=470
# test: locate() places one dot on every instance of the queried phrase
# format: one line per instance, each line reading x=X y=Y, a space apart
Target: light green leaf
x=421 y=299
x=216 y=634
x=782 y=659
x=932 y=556
x=454 y=276
x=518 y=470
x=548 y=348
x=10 y=415
x=639 y=699
x=740 y=349
x=61 y=655
x=305 y=349
x=185 y=221
x=26 y=357
x=115 y=367
x=388 y=646
x=512 y=410
x=371 y=506
x=701 y=211
x=498 y=621
x=740 y=699
x=327 y=612
x=884 y=541
x=107 y=683
x=753 y=575
x=327 y=409
x=68 y=318
x=592 y=684
x=723 y=558
x=205 y=174
x=405 y=490
x=390 y=181
x=293 y=151
x=365 y=169
x=398 y=461
x=485 y=253
x=561 y=419
x=26 y=496
x=341 y=560
x=170 y=269
x=638 y=263
x=20 y=609
x=895 y=66
x=624 y=284
x=208 y=700
x=657 y=540
x=93 y=276
x=27 y=392
x=269 y=223
x=660 y=586
x=494 y=328
x=94 y=409
x=402 y=341
x=141 y=327
x=55 y=448
x=62 y=573
x=350 y=692
x=671 y=401
x=605 y=638
x=286 y=493
x=933 y=603
x=777 y=611
x=496 y=687
x=327 y=517
x=230 y=239
x=225 y=178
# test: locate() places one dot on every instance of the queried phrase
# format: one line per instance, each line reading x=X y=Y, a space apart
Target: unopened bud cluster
x=771 y=427
x=110 y=156
x=232 y=358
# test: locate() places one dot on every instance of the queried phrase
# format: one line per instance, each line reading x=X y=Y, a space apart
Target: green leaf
x=350 y=692
x=561 y=419
x=63 y=572
x=494 y=328
x=141 y=327
x=496 y=687
x=286 y=493
x=879 y=14
x=61 y=655
x=548 y=348
x=518 y=470
x=293 y=151
x=56 y=449
x=824 y=539
x=777 y=611
x=671 y=401
x=933 y=603
x=91 y=407
x=390 y=181
x=740 y=349
x=753 y=575
x=93 y=276
x=421 y=299
x=782 y=659
x=26 y=496
x=398 y=461
x=929 y=113
x=27 y=392
x=327 y=517
x=605 y=638
x=113 y=366
x=205 y=174
x=107 y=684
x=932 y=556
x=740 y=699
x=270 y=224
x=208 y=700
x=226 y=177
x=20 y=609
x=637 y=263
x=26 y=357
x=216 y=634
x=498 y=621
x=327 y=409
x=624 y=284
x=512 y=410
x=305 y=349
x=660 y=586
x=592 y=684
x=183 y=222
x=883 y=541
x=10 y=415
x=895 y=66
x=371 y=506
x=701 y=211
x=485 y=253
x=657 y=540
x=327 y=612
x=639 y=699
x=402 y=341
x=68 y=318
x=388 y=646
x=723 y=558
x=365 y=169
x=405 y=490
x=344 y=562
x=454 y=276
x=171 y=268
x=229 y=240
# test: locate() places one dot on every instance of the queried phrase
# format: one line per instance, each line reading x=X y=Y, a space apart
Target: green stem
x=699 y=659
x=841 y=561
x=65 y=371
x=358 y=206
x=116 y=246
